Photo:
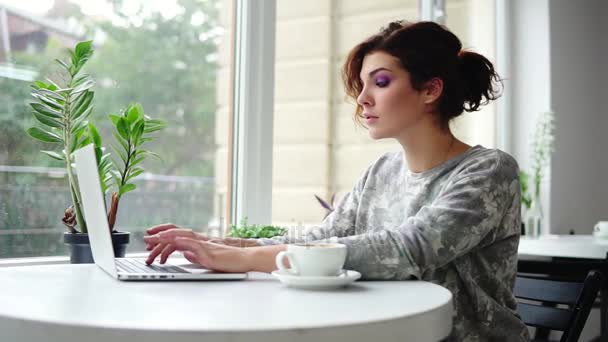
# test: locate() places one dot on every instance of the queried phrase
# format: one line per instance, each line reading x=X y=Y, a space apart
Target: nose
x=364 y=99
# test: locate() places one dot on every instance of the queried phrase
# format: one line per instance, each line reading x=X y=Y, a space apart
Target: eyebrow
x=373 y=72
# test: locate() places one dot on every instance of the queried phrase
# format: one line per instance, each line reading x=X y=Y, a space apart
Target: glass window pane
x=474 y=22
x=318 y=148
x=166 y=55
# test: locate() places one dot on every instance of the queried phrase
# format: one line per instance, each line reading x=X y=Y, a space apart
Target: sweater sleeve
x=470 y=208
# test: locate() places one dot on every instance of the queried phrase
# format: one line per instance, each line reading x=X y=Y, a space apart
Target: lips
x=370 y=118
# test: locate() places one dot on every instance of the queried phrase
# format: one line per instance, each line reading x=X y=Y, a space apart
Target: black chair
x=540 y=301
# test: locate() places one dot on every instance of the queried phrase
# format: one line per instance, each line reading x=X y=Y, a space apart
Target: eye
x=382 y=81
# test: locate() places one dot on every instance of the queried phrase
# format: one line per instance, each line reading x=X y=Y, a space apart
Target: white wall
x=529 y=79
x=579 y=187
x=558 y=47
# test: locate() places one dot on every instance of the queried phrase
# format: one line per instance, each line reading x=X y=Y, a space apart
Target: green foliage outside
x=170 y=66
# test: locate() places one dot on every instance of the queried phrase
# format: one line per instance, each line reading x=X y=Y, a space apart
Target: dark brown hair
x=428 y=50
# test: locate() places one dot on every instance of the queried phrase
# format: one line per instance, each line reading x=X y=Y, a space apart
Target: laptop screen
x=94 y=207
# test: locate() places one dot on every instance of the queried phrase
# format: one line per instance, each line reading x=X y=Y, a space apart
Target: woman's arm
x=464 y=216
x=263 y=258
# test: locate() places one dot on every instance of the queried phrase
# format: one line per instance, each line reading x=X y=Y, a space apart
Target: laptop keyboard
x=139 y=266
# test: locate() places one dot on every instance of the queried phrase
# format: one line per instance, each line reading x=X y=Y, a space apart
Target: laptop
x=101 y=241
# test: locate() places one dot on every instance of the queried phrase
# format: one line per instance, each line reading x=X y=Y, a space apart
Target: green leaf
x=154 y=125
x=122 y=142
x=122 y=156
x=46 y=120
x=48 y=101
x=84 y=86
x=137 y=160
x=114 y=118
x=54 y=155
x=134 y=113
x=134 y=173
x=82 y=114
x=83 y=103
x=80 y=79
x=63 y=64
x=138 y=130
x=95 y=135
x=83 y=48
x=43 y=135
x=79 y=126
x=79 y=143
x=123 y=128
x=76 y=98
x=154 y=155
x=43 y=109
x=39 y=84
x=105 y=163
x=51 y=94
x=98 y=154
x=116 y=176
x=65 y=91
x=126 y=188
x=52 y=85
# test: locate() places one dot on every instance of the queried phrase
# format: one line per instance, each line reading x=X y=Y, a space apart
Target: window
x=175 y=58
x=318 y=149
x=163 y=54
x=474 y=22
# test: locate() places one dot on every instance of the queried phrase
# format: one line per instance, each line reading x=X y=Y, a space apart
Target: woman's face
x=391 y=106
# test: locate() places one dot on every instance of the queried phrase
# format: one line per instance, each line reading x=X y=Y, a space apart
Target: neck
x=427 y=146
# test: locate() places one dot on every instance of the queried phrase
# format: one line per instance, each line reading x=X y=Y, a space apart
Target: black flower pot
x=80 y=248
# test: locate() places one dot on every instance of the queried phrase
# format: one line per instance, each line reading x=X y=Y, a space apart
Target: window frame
x=251 y=181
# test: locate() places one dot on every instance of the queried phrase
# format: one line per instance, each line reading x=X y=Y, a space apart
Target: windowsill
x=50 y=260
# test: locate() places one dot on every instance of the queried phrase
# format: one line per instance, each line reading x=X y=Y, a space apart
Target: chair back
x=544 y=295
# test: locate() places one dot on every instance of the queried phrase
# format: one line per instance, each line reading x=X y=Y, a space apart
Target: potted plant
x=542 y=147
x=63 y=108
x=255 y=231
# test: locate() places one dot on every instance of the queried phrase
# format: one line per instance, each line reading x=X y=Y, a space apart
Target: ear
x=432 y=90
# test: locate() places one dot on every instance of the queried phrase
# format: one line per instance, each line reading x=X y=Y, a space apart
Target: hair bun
x=480 y=80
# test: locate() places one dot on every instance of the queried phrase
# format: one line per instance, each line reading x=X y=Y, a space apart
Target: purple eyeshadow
x=383 y=80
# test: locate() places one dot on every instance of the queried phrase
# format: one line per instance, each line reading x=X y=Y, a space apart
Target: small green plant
x=132 y=129
x=526 y=198
x=63 y=109
x=255 y=231
x=542 y=147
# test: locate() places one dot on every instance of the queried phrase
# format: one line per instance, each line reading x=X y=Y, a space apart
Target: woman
x=440 y=210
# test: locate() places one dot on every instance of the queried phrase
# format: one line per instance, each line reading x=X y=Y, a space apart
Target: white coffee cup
x=601 y=228
x=313 y=259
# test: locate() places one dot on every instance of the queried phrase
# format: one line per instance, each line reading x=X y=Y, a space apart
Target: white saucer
x=317 y=283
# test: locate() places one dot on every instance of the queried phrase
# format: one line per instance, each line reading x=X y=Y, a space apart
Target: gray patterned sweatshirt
x=456 y=225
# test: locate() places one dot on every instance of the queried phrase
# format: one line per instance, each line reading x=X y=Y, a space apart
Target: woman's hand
x=215 y=256
x=160 y=238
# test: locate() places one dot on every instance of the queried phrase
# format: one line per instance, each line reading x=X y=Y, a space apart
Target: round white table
x=81 y=303
x=564 y=246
